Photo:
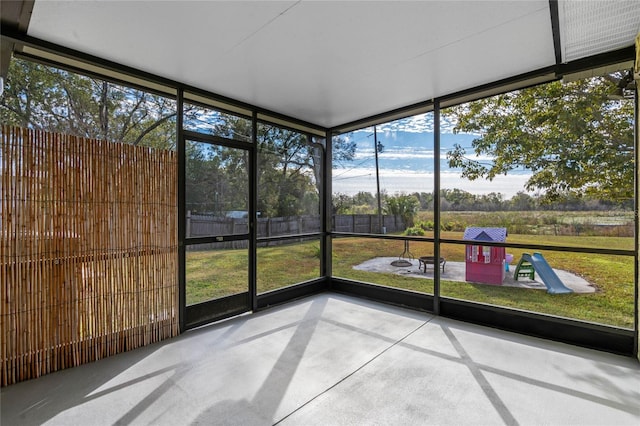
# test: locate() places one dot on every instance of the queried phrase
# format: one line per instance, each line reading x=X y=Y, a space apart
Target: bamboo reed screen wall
x=88 y=251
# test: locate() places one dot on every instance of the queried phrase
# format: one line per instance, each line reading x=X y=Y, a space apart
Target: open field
x=217 y=273
x=539 y=222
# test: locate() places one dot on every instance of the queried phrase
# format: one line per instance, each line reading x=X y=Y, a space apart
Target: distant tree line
x=460 y=200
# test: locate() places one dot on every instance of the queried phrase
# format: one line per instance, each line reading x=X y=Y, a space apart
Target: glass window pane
x=51 y=99
x=555 y=161
x=213 y=122
x=392 y=263
x=289 y=182
x=589 y=287
x=216 y=190
x=384 y=170
x=553 y=164
x=216 y=270
x=284 y=263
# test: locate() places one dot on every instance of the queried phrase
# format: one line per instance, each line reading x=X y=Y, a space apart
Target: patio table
x=423 y=261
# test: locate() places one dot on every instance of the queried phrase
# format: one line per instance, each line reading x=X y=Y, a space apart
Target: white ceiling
x=332 y=62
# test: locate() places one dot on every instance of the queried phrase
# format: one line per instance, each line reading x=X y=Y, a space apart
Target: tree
x=290 y=163
x=576 y=137
x=290 y=167
x=51 y=99
x=457 y=199
x=405 y=206
x=286 y=172
x=426 y=200
x=522 y=202
x=344 y=149
x=492 y=201
x=341 y=203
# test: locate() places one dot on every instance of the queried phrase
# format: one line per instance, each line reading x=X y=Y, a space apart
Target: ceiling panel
x=325 y=62
x=592 y=27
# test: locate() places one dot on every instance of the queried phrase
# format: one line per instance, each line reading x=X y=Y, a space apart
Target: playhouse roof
x=485 y=234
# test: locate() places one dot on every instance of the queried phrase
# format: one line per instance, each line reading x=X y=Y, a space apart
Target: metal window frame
x=602 y=337
x=612 y=339
x=205 y=312
x=313 y=286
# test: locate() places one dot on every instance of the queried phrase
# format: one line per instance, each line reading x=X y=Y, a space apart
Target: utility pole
x=375 y=148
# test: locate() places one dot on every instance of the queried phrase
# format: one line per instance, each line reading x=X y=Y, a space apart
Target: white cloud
x=421 y=123
x=395 y=181
x=406 y=164
x=402 y=154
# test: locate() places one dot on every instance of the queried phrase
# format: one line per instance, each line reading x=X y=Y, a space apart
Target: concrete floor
x=333 y=360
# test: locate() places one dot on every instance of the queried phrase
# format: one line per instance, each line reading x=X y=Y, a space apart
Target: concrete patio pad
x=455 y=271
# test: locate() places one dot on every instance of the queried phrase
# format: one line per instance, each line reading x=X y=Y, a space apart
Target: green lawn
x=217 y=273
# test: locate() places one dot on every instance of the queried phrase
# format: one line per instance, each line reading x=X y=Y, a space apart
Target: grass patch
x=212 y=274
x=612 y=304
x=218 y=273
x=288 y=264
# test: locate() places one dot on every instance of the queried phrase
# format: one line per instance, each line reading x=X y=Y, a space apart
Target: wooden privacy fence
x=367 y=223
x=206 y=226
x=88 y=250
x=209 y=225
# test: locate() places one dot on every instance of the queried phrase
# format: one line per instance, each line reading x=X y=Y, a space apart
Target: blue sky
x=406 y=163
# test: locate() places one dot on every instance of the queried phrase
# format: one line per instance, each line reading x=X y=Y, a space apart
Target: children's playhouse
x=485 y=264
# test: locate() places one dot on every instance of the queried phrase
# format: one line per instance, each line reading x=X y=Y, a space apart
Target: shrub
x=452 y=225
x=414 y=231
x=405 y=206
x=426 y=225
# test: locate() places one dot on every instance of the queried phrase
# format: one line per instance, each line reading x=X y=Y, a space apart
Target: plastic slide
x=547 y=275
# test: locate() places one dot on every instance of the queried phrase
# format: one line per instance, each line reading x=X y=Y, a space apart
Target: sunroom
x=295 y=179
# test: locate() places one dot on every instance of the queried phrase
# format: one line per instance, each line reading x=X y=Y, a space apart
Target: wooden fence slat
x=209 y=225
